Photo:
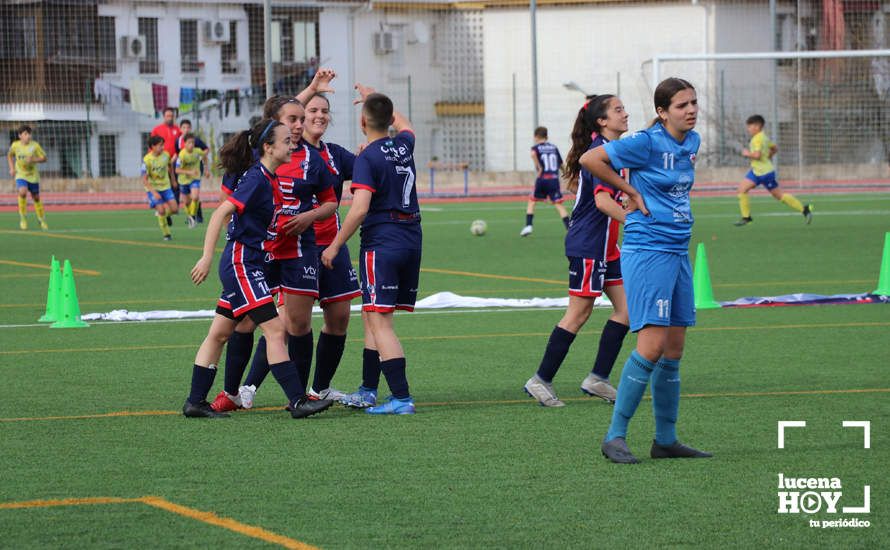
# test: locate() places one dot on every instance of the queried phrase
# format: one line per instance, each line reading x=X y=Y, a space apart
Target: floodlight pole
x=776 y=46
x=267 y=44
x=533 y=8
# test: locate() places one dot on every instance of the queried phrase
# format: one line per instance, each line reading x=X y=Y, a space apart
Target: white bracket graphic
x=866 y=503
x=788 y=424
x=866 y=431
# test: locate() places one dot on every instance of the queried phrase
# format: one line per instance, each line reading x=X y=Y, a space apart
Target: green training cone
x=53 y=293
x=701 y=281
x=69 y=317
x=884 y=277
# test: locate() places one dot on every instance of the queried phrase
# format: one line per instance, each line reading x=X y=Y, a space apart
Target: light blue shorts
x=166 y=196
x=659 y=289
x=186 y=188
x=34 y=188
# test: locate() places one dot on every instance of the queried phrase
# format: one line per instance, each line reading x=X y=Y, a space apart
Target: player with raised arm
x=249 y=211
x=594 y=257
x=655 y=263
x=155 y=172
x=547 y=162
x=385 y=205
x=23 y=157
x=760 y=151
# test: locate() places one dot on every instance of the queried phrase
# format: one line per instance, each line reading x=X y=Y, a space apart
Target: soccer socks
x=38 y=209
x=202 y=381
x=23 y=207
x=634 y=379
x=557 y=349
x=792 y=202
x=529 y=218
x=238 y=350
x=370 y=369
x=745 y=205
x=327 y=359
x=299 y=349
x=259 y=367
x=289 y=380
x=565 y=222
x=162 y=222
x=666 y=400
x=394 y=371
x=610 y=346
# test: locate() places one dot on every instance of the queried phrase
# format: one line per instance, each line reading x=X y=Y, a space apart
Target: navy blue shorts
x=340 y=283
x=768 y=180
x=659 y=289
x=295 y=275
x=588 y=277
x=33 y=187
x=389 y=279
x=243 y=276
x=186 y=188
x=547 y=189
x=166 y=196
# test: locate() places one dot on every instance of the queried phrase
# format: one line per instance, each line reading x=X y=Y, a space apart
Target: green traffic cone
x=53 y=294
x=70 y=315
x=701 y=281
x=884 y=277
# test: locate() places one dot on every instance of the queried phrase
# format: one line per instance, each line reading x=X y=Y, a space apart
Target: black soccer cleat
x=307 y=407
x=616 y=450
x=808 y=213
x=200 y=410
x=677 y=450
x=743 y=221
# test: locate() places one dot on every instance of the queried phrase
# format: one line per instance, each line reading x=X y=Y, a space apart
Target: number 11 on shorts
x=664 y=308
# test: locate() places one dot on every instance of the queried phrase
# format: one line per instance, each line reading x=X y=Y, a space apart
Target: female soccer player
x=292 y=260
x=594 y=258
x=23 y=157
x=655 y=262
x=547 y=161
x=156 y=180
x=188 y=172
x=250 y=209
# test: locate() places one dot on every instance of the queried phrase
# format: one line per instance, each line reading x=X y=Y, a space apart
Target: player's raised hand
x=321 y=82
x=363 y=92
x=328 y=256
x=200 y=271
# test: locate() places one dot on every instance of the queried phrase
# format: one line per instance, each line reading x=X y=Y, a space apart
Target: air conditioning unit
x=216 y=32
x=133 y=47
x=384 y=42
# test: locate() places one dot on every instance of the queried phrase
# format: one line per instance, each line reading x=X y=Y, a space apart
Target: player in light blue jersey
x=655 y=264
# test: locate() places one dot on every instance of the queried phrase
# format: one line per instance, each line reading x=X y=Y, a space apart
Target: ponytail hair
x=245 y=148
x=272 y=106
x=665 y=92
x=585 y=127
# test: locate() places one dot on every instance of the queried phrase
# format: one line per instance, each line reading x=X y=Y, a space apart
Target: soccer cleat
x=225 y=402
x=327 y=393
x=543 y=392
x=361 y=399
x=201 y=410
x=808 y=213
x=526 y=231
x=246 y=395
x=595 y=386
x=616 y=450
x=307 y=407
x=168 y=237
x=394 y=406
x=677 y=450
x=743 y=221
x=191 y=222
x=23 y=224
x=43 y=225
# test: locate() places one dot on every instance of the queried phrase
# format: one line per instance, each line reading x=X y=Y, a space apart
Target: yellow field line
x=119 y=414
x=40 y=266
x=163 y=504
x=490 y=276
x=142 y=244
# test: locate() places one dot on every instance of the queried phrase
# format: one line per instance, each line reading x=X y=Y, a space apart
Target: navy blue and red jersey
x=300 y=181
x=549 y=160
x=340 y=163
x=386 y=169
x=253 y=197
x=592 y=234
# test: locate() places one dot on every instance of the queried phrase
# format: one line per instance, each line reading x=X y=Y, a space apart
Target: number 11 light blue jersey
x=662 y=170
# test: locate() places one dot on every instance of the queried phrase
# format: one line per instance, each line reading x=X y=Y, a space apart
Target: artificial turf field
x=92 y=413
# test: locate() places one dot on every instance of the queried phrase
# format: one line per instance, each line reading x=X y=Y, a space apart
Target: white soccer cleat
x=543 y=392
x=191 y=222
x=526 y=231
x=246 y=395
x=595 y=386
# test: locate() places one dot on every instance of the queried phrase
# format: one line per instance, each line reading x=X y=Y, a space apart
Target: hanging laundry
x=141 y=97
x=159 y=96
x=187 y=97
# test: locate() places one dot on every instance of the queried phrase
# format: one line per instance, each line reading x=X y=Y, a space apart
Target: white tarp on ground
x=440 y=300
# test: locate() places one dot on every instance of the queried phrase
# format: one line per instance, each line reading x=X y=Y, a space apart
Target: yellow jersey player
x=188 y=174
x=24 y=155
x=761 y=150
x=156 y=180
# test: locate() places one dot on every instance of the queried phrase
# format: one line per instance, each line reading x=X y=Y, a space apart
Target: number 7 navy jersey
x=386 y=169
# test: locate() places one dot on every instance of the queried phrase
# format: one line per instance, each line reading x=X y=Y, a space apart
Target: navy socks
x=557 y=349
x=287 y=377
x=327 y=358
x=237 y=355
x=202 y=381
x=299 y=349
x=610 y=346
x=666 y=400
x=394 y=371
x=370 y=369
x=259 y=367
x=634 y=379
x=529 y=218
